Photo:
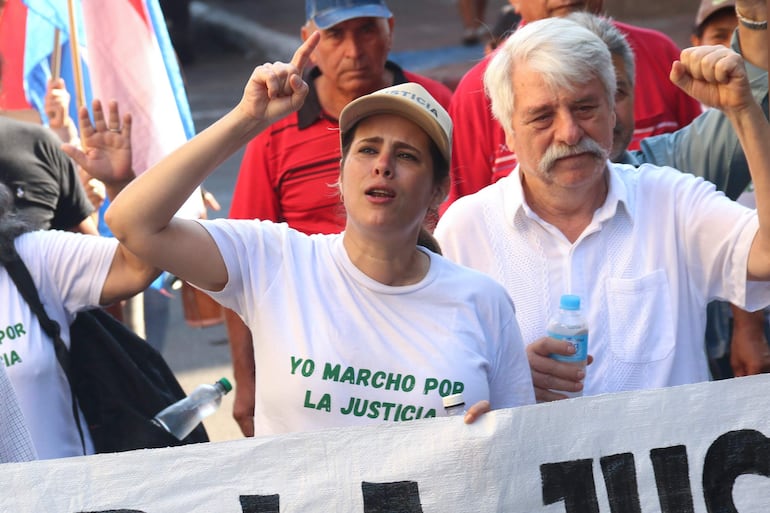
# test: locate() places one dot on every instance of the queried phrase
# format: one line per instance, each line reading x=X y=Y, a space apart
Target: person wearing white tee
x=364 y=327
x=68 y=270
x=72 y=272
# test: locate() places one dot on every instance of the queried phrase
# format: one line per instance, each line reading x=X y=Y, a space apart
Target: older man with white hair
x=645 y=248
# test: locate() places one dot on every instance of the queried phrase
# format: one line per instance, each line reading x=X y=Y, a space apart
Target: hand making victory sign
x=275 y=90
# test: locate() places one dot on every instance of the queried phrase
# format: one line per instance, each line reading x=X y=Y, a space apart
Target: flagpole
x=79 y=92
x=56 y=55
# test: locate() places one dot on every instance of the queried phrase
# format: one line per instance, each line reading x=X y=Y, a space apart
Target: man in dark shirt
x=43 y=178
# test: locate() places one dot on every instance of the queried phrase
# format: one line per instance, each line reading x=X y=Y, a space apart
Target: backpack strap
x=28 y=290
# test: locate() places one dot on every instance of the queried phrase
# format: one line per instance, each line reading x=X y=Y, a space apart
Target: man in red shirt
x=289 y=172
x=479 y=154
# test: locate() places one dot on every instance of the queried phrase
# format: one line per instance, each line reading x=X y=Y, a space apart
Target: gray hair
x=566 y=54
x=612 y=37
x=12 y=223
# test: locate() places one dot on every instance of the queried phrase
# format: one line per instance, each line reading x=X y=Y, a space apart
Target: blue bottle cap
x=569 y=302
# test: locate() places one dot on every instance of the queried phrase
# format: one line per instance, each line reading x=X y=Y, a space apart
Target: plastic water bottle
x=454 y=405
x=570 y=325
x=180 y=418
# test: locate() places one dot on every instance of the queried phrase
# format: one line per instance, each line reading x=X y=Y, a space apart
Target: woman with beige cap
x=363 y=327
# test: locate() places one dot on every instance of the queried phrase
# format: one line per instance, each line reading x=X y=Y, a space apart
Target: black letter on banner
x=672 y=477
x=397 y=497
x=620 y=478
x=572 y=481
x=259 y=503
x=731 y=455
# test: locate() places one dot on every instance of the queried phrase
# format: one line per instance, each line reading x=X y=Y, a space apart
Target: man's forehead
x=533 y=93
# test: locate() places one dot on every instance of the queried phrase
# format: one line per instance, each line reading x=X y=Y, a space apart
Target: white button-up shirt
x=662 y=246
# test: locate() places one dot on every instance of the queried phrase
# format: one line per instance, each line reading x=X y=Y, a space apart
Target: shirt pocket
x=641 y=324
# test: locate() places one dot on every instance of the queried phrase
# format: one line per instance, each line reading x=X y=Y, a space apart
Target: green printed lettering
x=393 y=382
x=358 y=409
x=308 y=366
x=295 y=362
x=324 y=404
x=374 y=409
x=2 y=336
x=349 y=409
x=377 y=379
x=363 y=377
x=445 y=388
x=367 y=378
x=349 y=376
x=19 y=329
x=387 y=407
x=385 y=410
x=11 y=358
x=406 y=410
x=332 y=373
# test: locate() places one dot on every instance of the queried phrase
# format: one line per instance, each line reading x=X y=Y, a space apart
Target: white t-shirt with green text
x=69 y=270
x=334 y=347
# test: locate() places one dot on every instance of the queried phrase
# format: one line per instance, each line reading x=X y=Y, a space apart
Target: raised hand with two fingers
x=275 y=90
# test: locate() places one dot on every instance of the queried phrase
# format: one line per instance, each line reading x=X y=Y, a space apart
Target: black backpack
x=119 y=381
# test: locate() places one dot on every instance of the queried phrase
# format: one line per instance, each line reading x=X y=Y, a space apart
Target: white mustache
x=558 y=151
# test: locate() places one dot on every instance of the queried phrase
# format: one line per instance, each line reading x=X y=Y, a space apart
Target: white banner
x=692 y=449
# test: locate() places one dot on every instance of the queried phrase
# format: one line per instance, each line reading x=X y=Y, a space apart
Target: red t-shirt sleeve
x=254 y=196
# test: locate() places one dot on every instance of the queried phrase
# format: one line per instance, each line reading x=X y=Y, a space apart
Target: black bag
x=119 y=381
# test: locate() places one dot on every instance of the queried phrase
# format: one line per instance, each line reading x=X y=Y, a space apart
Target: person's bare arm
x=242 y=353
x=87 y=226
x=716 y=76
x=754 y=43
x=749 y=352
x=107 y=156
x=142 y=216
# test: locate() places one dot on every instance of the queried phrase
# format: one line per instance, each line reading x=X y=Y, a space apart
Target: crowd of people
x=392 y=242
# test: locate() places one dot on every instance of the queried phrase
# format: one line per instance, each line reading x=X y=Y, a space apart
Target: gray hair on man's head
x=612 y=37
x=565 y=53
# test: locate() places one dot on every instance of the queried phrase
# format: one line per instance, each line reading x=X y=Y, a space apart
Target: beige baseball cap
x=409 y=100
x=709 y=7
